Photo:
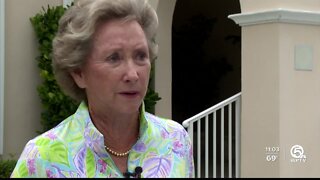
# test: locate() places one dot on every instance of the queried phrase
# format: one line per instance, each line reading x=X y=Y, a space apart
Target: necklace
x=116 y=153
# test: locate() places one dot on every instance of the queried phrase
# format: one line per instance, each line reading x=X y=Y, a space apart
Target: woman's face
x=116 y=73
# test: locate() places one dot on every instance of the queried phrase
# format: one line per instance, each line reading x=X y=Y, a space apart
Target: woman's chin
x=130 y=107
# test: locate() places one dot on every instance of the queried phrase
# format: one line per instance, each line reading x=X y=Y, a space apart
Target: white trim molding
x=277 y=16
x=2 y=58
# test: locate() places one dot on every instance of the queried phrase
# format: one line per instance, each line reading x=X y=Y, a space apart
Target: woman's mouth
x=130 y=94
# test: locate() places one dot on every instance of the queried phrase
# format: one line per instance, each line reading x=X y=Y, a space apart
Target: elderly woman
x=102 y=55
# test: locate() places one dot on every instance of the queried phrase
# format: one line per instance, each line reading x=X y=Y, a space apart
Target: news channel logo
x=297 y=154
x=296 y=151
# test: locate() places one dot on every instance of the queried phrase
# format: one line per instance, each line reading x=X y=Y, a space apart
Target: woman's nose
x=131 y=73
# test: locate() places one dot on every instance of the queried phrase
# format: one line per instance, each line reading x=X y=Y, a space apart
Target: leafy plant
x=56 y=105
x=151 y=97
x=6 y=167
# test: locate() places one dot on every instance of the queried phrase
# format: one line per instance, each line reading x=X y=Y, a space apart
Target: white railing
x=223 y=120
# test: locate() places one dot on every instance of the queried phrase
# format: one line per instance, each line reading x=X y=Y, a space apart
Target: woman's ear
x=78 y=77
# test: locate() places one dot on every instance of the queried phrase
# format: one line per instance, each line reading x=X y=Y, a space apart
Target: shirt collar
x=93 y=137
x=143 y=121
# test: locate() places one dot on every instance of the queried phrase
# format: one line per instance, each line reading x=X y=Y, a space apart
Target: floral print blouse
x=75 y=148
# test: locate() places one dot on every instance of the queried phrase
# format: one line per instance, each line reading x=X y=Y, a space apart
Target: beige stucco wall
x=260 y=99
x=22 y=104
x=263 y=5
x=279 y=103
x=299 y=101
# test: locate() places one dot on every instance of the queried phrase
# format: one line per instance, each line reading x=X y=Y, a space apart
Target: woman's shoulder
x=39 y=151
x=50 y=143
x=164 y=122
x=55 y=134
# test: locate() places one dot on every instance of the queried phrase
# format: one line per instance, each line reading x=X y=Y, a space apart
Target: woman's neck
x=120 y=131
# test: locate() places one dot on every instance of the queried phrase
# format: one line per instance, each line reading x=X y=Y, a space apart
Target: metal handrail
x=221 y=108
x=187 y=122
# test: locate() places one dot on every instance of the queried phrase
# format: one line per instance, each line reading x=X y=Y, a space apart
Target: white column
x=163 y=69
x=280 y=87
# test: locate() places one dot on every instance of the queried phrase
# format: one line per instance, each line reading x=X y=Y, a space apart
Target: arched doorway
x=206 y=55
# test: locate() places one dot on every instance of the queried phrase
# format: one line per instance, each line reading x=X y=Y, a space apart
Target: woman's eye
x=142 y=56
x=113 y=57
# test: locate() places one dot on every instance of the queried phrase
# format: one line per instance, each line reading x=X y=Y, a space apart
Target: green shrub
x=56 y=105
x=6 y=168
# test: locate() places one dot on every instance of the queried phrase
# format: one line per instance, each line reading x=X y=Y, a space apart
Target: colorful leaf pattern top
x=75 y=148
